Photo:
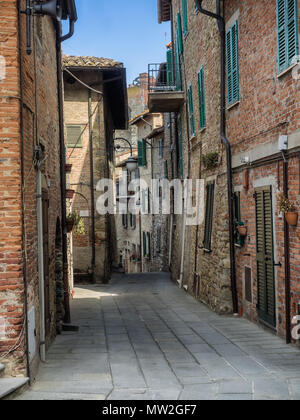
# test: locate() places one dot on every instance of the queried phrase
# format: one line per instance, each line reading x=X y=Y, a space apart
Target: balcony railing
x=164 y=94
x=159 y=78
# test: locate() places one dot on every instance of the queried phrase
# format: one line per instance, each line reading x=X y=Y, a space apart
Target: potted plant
x=210 y=160
x=68 y=168
x=287 y=207
x=70 y=194
x=242 y=229
x=70 y=221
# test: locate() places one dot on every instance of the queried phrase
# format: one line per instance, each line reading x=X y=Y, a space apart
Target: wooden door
x=265 y=256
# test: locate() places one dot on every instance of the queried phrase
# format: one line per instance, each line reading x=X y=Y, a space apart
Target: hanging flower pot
x=69 y=225
x=68 y=168
x=291 y=218
x=243 y=230
x=70 y=194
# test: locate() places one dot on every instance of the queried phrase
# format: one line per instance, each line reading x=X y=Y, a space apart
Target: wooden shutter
x=180 y=146
x=232 y=64
x=201 y=92
x=144 y=244
x=178 y=80
x=170 y=67
x=287 y=32
x=210 y=193
x=179 y=34
x=185 y=17
x=191 y=110
x=140 y=153
x=265 y=255
x=74 y=136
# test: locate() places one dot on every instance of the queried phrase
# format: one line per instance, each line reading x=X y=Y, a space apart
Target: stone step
x=10 y=385
x=2 y=368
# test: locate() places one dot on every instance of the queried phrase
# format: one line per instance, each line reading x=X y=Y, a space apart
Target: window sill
x=288 y=70
x=230 y=107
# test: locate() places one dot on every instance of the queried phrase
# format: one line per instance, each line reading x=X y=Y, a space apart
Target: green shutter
x=201 y=93
x=166 y=169
x=232 y=49
x=287 y=33
x=185 y=17
x=170 y=67
x=180 y=146
x=210 y=194
x=179 y=34
x=144 y=153
x=265 y=255
x=178 y=80
x=191 y=111
x=74 y=136
x=140 y=153
x=144 y=244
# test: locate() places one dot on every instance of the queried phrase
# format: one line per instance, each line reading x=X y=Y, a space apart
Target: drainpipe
x=287 y=256
x=92 y=184
x=67 y=318
x=41 y=261
x=23 y=192
x=180 y=281
x=221 y=24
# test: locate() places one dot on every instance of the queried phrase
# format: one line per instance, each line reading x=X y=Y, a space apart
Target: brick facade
x=21 y=133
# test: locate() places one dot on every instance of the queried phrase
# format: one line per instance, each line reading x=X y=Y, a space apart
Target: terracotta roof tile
x=81 y=61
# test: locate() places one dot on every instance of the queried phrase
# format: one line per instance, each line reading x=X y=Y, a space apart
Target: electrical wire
x=82 y=83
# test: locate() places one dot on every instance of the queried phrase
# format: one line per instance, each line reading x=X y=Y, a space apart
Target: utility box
x=283 y=143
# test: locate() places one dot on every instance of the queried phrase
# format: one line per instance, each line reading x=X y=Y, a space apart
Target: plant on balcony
x=287 y=207
x=75 y=223
x=210 y=160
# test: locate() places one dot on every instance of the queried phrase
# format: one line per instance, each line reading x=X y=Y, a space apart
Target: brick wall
x=40 y=120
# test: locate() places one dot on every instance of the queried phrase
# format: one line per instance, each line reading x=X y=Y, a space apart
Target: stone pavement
x=141 y=337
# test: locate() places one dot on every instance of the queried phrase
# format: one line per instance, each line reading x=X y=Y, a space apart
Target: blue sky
x=127 y=31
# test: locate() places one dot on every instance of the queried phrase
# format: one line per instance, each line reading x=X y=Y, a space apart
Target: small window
x=232 y=48
x=201 y=93
x=74 y=136
x=191 y=111
x=287 y=33
x=210 y=192
x=142 y=153
x=185 y=17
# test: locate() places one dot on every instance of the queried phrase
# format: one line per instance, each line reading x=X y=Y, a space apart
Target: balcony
x=164 y=95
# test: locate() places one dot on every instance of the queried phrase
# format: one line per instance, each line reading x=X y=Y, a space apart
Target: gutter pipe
x=221 y=24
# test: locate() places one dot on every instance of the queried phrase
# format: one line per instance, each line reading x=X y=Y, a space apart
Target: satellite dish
x=51 y=8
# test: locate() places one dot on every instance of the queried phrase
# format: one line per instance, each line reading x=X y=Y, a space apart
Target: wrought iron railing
x=159 y=78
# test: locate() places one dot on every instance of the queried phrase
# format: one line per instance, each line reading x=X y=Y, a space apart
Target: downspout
x=67 y=317
x=93 y=262
x=287 y=255
x=41 y=261
x=226 y=143
x=23 y=192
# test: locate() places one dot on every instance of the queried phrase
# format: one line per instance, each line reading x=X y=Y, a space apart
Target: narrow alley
x=143 y=338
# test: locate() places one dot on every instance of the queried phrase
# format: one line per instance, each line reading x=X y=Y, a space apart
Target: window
x=166 y=170
x=161 y=148
x=142 y=153
x=170 y=67
x=179 y=34
x=287 y=33
x=74 y=136
x=148 y=245
x=185 y=17
x=191 y=111
x=233 y=65
x=180 y=146
x=201 y=93
x=210 y=192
